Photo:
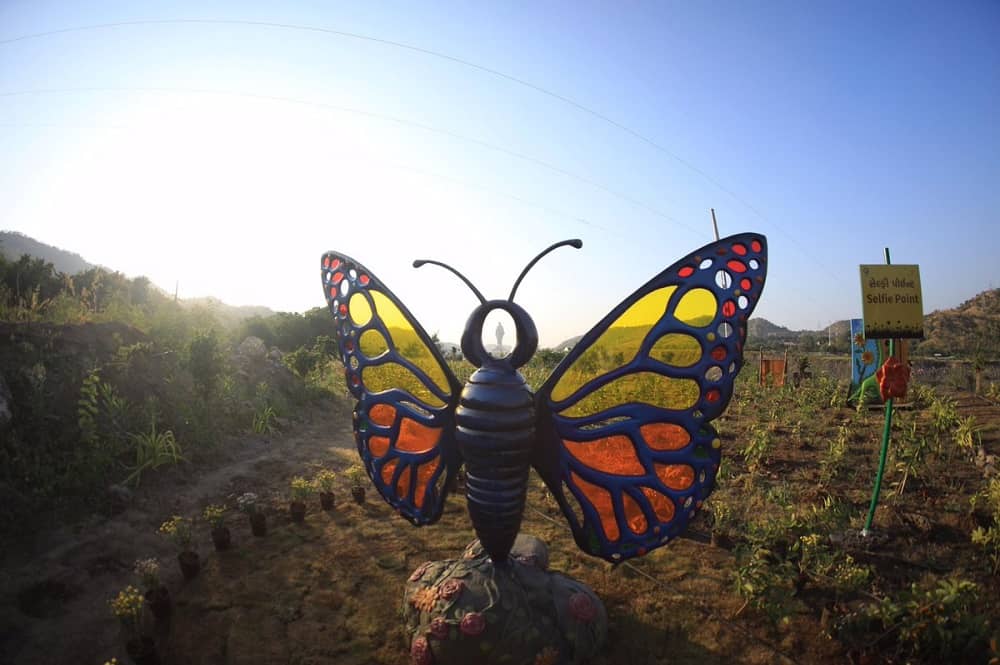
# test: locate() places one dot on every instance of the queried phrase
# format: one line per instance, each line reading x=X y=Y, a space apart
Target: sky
x=222 y=147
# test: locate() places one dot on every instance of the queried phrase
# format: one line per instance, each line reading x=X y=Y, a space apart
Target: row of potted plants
x=128 y=605
x=323 y=484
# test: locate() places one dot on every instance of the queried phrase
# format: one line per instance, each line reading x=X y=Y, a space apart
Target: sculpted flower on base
x=473 y=624
x=450 y=588
x=424 y=599
x=419 y=572
x=439 y=628
x=582 y=608
x=420 y=652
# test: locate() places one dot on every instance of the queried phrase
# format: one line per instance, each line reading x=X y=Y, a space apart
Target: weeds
x=930 y=621
x=757 y=448
x=152 y=450
x=967 y=434
x=988 y=538
x=834 y=461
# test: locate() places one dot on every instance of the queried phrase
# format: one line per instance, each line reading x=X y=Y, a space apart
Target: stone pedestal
x=468 y=610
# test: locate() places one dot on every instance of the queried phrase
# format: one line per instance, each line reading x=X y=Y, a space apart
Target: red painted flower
x=582 y=608
x=419 y=572
x=420 y=652
x=450 y=588
x=473 y=624
x=439 y=628
x=892 y=378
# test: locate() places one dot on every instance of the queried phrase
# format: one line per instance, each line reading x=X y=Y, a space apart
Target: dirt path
x=54 y=590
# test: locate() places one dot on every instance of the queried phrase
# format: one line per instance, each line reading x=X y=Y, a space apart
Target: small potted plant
x=127 y=607
x=157 y=596
x=356 y=474
x=247 y=503
x=178 y=529
x=215 y=515
x=324 y=481
x=301 y=489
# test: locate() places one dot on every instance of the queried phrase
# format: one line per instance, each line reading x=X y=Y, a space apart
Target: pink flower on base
x=420 y=652
x=473 y=624
x=450 y=588
x=419 y=572
x=439 y=628
x=582 y=608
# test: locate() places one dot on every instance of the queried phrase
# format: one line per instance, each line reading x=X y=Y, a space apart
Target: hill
x=14 y=244
x=972 y=327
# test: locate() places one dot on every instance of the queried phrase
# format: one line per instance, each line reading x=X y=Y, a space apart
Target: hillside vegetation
x=105 y=378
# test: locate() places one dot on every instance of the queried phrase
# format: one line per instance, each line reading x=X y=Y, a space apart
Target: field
x=774 y=570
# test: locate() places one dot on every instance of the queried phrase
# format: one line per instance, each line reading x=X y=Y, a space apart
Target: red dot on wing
x=355 y=380
x=326 y=261
x=333 y=292
x=343 y=310
x=335 y=264
x=713 y=395
x=736 y=266
x=364 y=280
x=740 y=249
x=728 y=308
x=756 y=246
x=686 y=271
x=719 y=353
x=337 y=276
x=745 y=284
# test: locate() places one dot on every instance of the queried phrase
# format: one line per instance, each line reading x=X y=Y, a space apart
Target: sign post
x=892 y=308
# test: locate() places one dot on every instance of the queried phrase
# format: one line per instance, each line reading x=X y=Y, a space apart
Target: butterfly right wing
x=404 y=419
x=625 y=441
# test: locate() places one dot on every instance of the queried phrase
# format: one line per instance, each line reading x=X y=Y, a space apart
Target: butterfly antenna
x=575 y=242
x=420 y=262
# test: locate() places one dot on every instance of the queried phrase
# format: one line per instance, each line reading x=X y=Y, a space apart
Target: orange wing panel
x=675 y=476
x=415 y=437
x=612 y=454
x=601 y=500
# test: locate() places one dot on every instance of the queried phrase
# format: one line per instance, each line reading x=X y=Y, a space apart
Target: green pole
x=885 y=441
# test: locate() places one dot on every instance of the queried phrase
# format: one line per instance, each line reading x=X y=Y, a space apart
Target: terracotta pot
x=221 y=538
x=158 y=600
x=359 y=494
x=190 y=564
x=298 y=510
x=142 y=651
x=326 y=500
x=258 y=525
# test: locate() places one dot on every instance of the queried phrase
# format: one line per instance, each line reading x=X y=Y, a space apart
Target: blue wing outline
x=404 y=419
x=629 y=476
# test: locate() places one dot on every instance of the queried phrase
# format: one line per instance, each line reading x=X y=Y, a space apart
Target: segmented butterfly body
x=620 y=432
x=496 y=431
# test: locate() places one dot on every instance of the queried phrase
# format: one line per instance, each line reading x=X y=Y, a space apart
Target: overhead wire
x=435 y=54
x=371 y=114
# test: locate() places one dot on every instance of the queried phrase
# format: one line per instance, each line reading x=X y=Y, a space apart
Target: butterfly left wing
x=406 y=395
x=625 y=443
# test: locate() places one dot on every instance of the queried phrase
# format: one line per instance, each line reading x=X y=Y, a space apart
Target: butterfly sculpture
x=619 y=432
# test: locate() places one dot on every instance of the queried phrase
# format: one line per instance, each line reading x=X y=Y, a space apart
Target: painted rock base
x=467 y=610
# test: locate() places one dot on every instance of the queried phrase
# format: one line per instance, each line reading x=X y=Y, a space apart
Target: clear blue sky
x=228 y=157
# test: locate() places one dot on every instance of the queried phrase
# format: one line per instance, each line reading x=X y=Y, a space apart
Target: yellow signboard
x=891 y=301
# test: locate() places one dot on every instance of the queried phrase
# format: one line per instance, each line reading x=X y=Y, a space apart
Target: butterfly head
x=527 y=334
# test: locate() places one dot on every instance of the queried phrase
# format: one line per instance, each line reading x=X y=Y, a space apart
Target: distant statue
x=499 y=337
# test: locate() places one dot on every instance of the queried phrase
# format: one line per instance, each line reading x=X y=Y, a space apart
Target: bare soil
x=328 y=590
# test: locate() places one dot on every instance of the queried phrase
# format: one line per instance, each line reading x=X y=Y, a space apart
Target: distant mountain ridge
x=970 y=328
x=13 y=244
